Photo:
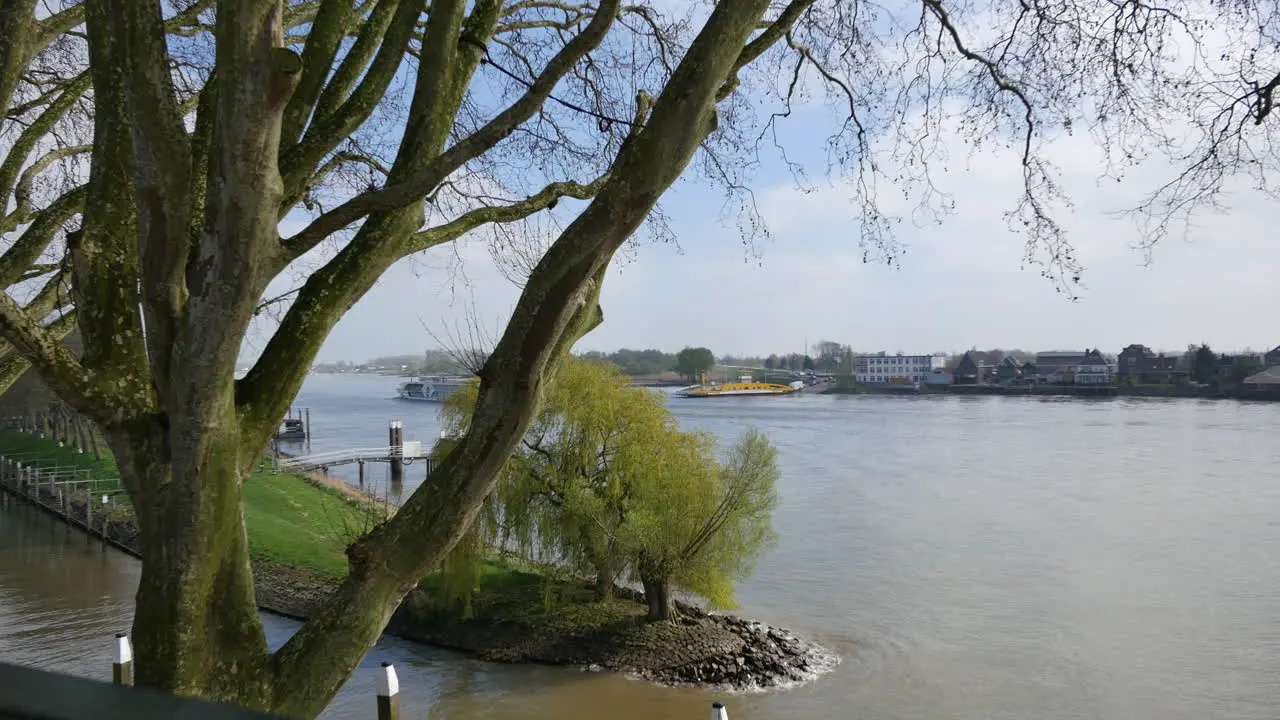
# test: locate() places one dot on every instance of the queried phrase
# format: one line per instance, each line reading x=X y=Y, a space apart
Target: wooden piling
x=122 y=668
x=396 y=432
x=361 y=463
x=388 y=693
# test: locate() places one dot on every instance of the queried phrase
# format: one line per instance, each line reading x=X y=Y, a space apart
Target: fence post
x=122 y=668
x=388 y=692
x=718 y=712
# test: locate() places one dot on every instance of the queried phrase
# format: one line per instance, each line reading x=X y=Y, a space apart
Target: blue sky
x=958 y=284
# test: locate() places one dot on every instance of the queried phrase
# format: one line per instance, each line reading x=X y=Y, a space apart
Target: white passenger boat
x=431 y=388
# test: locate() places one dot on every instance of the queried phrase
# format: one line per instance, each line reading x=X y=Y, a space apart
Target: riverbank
x=299 y=527
x=1141 y=391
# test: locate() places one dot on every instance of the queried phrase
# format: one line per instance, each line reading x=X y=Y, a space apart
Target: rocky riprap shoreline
x=761 y=657
x=696 y=648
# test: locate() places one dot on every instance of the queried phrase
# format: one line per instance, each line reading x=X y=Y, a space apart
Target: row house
x=1009 y=371
x=884 y=368
x=968 y=371
x=1268 y=380
x=1072 y=368
x=1139 y=364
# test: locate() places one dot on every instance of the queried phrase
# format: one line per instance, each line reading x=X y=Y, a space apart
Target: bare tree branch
x=421 y=182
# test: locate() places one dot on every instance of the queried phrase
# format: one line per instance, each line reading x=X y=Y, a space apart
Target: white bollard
x=388 y=693
x=122 y=668
x=718 y=712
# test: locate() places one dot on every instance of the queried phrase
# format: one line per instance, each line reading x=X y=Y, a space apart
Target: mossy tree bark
x=183 y=224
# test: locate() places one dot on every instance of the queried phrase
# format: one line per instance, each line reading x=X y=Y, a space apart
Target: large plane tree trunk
x=196 y=629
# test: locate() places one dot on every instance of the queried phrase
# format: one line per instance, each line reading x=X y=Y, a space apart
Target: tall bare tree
x=394 y=126
x=43 y=137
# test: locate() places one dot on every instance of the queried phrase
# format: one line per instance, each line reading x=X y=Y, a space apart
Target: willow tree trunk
x=606 y=575
x=657 y=595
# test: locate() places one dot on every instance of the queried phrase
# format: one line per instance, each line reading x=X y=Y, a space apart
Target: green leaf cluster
x=693 y=361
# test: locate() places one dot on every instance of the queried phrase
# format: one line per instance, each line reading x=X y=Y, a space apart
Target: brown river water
x=967 y=558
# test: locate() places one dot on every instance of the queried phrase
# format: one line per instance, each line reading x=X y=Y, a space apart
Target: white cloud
x=960 y=282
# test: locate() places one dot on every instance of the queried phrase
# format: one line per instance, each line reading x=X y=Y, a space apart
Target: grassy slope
x=290 y=520
x=295 y=522
x=43 y=452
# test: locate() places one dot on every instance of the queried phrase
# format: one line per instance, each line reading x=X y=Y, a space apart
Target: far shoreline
x=1111 y=391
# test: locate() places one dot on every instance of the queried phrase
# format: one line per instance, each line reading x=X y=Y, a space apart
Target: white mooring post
x=718 y=712
x=122 y=668
x=388 y=693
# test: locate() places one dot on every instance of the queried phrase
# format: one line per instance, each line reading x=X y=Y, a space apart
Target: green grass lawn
x=47 y=453
x=290 y=520
x=294 y=522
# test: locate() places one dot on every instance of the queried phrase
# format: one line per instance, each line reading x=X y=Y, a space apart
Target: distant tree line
x=635 y=362
x=1200 y=361
x=1205 y=366
x=431 y=362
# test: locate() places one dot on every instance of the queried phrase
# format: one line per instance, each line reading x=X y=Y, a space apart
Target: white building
x=882 y=368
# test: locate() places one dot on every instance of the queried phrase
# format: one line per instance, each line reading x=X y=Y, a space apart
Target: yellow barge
x=745 y=386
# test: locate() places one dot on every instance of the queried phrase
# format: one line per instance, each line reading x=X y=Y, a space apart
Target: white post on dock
x=718 y=712
x=388 y=693
x=122 y=668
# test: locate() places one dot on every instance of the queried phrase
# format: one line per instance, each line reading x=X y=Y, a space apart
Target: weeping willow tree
x=605 y=483
x=565 y=491
x=698 y=526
